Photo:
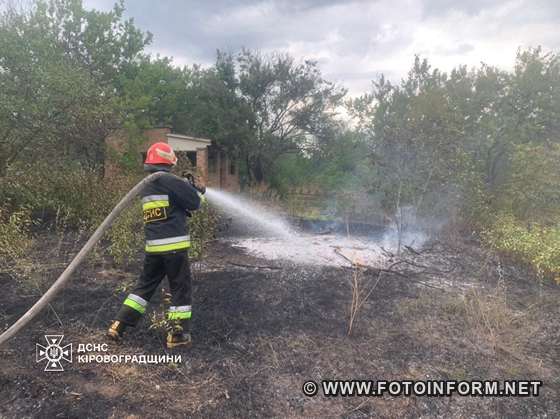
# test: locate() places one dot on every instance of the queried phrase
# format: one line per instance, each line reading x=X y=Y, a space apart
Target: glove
x=195 y=184
x=200 y=188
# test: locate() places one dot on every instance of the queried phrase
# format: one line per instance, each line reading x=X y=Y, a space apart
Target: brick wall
x=219 y=171
x=213 y=165
x=202 y=164
x=230 y=175
x=154 y=135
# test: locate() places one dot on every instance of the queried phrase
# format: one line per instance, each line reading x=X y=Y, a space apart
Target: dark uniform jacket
x=165 y=203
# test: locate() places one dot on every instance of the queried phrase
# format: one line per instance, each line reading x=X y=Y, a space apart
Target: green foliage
x=213 y=108
x=289 y=103
x=480 y=143
x=476 y=209
x=103 y=42
x=291 y=171
x=71 y=195
x=337 y=165
x=58 y=66
x=126 y=236
x=202 y=228
x=77 y=197
x=477 y=142
x=534 y=244
x=474 y=138
x=414 y=134
x=14 y=235
x=153 y=92
x=531 y=190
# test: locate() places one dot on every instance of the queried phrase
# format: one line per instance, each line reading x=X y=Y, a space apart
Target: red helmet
x=161 y=153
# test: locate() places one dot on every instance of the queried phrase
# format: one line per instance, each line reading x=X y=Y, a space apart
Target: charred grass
x=260 y=331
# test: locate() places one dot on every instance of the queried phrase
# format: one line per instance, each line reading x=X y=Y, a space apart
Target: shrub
x=14 y=235
x=126 y=236
x=202 y=226
x=70 y=195
x=535 y=244
x=77 y=197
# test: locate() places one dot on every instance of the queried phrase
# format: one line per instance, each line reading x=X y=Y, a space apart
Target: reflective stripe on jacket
x=165 y=203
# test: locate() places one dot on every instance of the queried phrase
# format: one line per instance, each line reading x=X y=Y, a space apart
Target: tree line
x=477 y=144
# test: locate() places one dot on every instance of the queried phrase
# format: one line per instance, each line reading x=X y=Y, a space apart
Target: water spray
x=250 y=213
x=283 y=241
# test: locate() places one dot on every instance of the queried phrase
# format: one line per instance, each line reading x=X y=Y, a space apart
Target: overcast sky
x=353 y=41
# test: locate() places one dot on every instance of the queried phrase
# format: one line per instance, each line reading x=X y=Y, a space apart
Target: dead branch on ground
x=243 y=265
x=411 y=250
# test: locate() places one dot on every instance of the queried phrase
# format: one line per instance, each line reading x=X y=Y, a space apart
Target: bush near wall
x=76 y=197
x=66 y=195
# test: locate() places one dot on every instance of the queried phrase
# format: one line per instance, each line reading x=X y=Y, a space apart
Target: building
x=215 y=167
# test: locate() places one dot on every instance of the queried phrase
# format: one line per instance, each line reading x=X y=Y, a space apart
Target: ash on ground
x=330 y=250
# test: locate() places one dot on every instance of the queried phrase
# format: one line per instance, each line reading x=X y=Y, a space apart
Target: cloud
x=455 y=49
x=441 y=7
x=353 y=41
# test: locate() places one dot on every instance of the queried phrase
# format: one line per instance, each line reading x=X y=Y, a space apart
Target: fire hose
x=57 y=286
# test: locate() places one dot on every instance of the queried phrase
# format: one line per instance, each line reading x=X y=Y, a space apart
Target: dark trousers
x=177 y=269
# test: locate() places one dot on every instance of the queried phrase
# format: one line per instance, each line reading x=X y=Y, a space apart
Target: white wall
x=185 y=144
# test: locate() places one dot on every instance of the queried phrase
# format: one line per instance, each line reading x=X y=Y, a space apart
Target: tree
x=104 y=43
x=153 y=92
x=58 y=73
x=290 y=103
x=213 y=107
x=415 y=138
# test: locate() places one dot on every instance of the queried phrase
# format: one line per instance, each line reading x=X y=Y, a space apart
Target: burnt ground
x=262 y=328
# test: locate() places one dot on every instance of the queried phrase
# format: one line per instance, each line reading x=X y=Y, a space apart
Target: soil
x=262 y=328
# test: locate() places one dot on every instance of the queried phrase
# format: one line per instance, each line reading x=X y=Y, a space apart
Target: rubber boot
x=177 y=337
x=116 y=330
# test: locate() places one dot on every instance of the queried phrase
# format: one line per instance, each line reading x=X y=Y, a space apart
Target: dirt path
x=262 y=329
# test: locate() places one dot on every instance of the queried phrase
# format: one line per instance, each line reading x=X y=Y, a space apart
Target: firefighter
x=165 y=202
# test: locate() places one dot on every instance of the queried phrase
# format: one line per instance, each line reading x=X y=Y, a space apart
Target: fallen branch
x=402 y=275
x=411 y=250
x=408 y=278
x=339 y=253
x=349 y=247
x=242 y=265
x=430 y=271
x=427 y=269
x=352 y=262
x=386 y=252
